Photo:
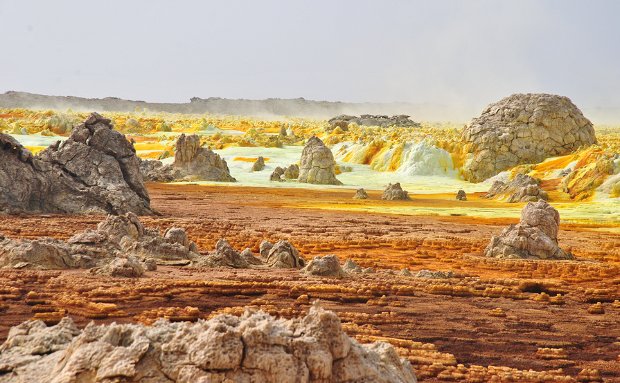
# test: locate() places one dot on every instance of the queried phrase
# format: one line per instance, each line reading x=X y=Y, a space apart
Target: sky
x=453 y=53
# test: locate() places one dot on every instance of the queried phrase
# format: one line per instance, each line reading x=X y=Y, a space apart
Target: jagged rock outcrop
x=197 y=163
x=522 y=129
x=255 y=347
x=115 y=245
x=394 y=192
x=292 y=172
x=225 y=256
x=342 y=121
x=156 y=171
x=522 y=188
x=534 y=237
x=461 y=195
x=259 y=164
x=317 y=164
x=360 y=194
x=283 y=255
x=95 y=170
x=277 y=174
x=326 y=266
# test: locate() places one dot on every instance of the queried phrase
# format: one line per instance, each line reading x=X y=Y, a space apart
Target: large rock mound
x=95 y=170
x=522 y=129
x=118 y=242
x=255 y=347
x=534 y=237
x=198 y=163
x=522 y=188
x=317 y=164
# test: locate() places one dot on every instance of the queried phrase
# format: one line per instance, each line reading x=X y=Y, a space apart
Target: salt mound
x=255 y=347
x=522 y=129
x=534 y=237
x=424 y=159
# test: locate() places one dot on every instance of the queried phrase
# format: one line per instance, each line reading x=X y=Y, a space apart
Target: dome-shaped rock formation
x=522 y=129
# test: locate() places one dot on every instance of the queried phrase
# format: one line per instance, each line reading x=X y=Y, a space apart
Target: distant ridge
x=268 y=107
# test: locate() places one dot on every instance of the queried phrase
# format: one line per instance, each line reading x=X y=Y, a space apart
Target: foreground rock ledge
x=255 y=347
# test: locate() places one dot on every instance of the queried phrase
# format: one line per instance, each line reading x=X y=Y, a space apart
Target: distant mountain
x=269 y=107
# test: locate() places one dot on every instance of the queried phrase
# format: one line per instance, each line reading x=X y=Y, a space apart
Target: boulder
x=534 y=237
x=259 y=164
x=394 y=192
x=522 y=188
x=277 y=174
x=197 y=163
x=327 y=266
x=317 y=164
x=283 y=255
x=95 y=170
x=292 y=172
x=360 y=194
x=253 y=347
x=523 y=129
x=461 y=195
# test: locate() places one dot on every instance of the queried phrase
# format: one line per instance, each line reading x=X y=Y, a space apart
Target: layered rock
x=522 y=188
x=254 y=347
x=197 y=163
x=95 y=170
x=534 y=237
x=342 y=121
x=116 y=245
x=326 y=266
x=156 y=171
x=395 y=192
x=522 y=129
x=317 y=164
x=360 y=194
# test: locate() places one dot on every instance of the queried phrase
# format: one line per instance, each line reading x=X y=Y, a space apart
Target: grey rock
x=351 y=267
x=292 y=172
x=326 y=266
x=317 y=164
x=430 y=274
x=197 y=163
x=461 y=195
x=360 y=194
x=534 y=237
x=394 y=192
x=522 y=188
x=522 y=129
x=342 y=121
x=277 y=174
x=259 y=164
x=95 y=170
x=156 y=171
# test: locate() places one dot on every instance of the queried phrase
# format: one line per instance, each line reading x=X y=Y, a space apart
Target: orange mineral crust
x=487 y=320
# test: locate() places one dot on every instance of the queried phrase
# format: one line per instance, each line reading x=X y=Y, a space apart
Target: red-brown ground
x=494 y=313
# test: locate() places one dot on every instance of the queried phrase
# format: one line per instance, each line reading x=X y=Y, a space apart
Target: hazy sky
x=460 y=53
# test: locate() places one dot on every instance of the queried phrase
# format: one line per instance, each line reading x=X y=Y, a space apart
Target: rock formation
x=95 y=170
x=394 y=192
x=342 y=121
x=197 y=163
x=434 y=274
x=522 y=129
x=259 y=164
x=117 y=244
x=351 y=267
x=255 y=347
x=534 y=237
x=225 y=256
x=360 y=194
x=277 y=174
x=292 y=172
x=283 y=255
x=522 y=188
x=317 y=164
x=327 y=266
x=156 y=171
x=461 y=195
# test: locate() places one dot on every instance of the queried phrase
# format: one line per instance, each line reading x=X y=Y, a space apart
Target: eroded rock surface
x=360 y=194
x=259 y=164
x=317 y=164
x=522 y=188
x=395 y=192
x=534 y=237
x=115 y=247
x=198 y=163
x=461 y=195
x=342 y=121
x=156 y=171
x=292 y=172
x=255 y=347
x=522 y=129
x=95 y=170
x=326 y=266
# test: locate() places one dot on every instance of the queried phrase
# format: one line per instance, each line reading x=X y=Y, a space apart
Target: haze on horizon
x=455 y=55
